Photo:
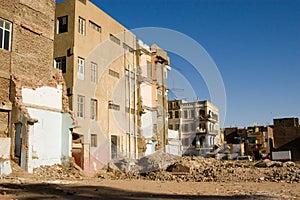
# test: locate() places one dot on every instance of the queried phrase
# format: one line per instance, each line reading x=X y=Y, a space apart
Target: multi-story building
x=33 y=110
x=198 y=123
x=97 y=56
x=256 y=140
x=153 y=65
x=287 y=136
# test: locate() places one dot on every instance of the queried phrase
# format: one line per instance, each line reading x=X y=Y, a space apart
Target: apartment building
x=153 y=65
x=97 y=56
x=32 y=93
x=198 y=123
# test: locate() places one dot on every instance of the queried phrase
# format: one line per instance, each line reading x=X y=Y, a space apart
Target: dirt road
x=143 y=189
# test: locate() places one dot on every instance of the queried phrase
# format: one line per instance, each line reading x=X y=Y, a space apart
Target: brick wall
x=284 y=135
x=33 y=33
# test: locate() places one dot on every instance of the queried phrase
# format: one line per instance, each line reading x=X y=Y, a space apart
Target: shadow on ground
x=54 y=191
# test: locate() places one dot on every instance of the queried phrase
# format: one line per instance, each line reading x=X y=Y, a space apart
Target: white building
x=198 y=124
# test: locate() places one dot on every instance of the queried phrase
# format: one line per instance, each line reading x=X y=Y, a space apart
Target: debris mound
x=59 y=172
x=160 y=167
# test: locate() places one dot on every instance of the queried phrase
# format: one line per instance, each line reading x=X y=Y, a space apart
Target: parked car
x=244 y=158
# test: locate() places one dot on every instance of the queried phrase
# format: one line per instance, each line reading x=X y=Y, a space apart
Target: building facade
x=257 y=141
x=33 y=94
x=153 y=65
x=287 y=136
x=198 y=123
x=97 y=56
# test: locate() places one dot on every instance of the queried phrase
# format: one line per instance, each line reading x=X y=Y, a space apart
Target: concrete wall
x=5 y=148
x=49 y=142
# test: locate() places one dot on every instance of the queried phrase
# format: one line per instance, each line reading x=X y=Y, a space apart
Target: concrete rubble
x=167 y=167
x=197 y=169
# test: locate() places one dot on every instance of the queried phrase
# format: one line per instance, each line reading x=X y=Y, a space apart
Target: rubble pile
x=58 y=172
x=197 y=169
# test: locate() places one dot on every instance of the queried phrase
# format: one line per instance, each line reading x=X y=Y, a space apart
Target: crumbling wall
x=32 y=48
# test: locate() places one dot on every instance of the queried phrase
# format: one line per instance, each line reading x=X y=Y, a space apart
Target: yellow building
x=97 y=57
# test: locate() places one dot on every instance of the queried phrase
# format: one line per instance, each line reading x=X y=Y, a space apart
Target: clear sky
x=254 y=43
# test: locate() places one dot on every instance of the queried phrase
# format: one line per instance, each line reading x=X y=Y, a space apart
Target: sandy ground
x=22 y=188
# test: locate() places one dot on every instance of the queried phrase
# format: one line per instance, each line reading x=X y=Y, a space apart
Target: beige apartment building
x=97 y=57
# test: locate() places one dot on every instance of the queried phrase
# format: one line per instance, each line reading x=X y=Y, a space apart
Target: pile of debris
x=197 y=169
x=59 y=172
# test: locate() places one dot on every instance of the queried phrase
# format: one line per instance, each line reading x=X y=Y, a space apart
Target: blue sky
x=254 y=43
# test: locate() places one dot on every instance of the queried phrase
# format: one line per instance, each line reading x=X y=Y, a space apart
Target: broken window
x=80 y=106
x=94 y=69
x=5 y=34
x=62 y=24
x=60 y=63
x=80 y=73
x=81 y=26
x=93 y=140
x=93 y=109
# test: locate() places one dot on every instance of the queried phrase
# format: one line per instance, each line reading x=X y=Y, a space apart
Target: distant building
x=198 y=124
x=257 y=141
x=287 y=136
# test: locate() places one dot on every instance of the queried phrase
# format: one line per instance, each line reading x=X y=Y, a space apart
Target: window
x=93 y=109
x=93 y=140
x=60 y=63
x=128 y=48
x=149 y=70
x=192 y=113
x=176 y=114
x=83 y=1
x=202 y=113
x=94 y=69
x=113 y=106
x=170 y=126
x=94 y=26
x=170 y=115
x=81 y=26
x=62 y=24
x=80 y=106
x=185 y=114
x=114 y=39
x=192 y=126
x=176 y=127
x=185 y=127
x=80 y=73
x=5 y=34
x=113 y=73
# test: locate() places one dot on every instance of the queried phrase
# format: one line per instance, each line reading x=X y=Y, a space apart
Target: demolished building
x=34 y=108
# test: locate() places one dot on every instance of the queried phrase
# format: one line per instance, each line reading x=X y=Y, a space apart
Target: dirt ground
x=28 y=188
